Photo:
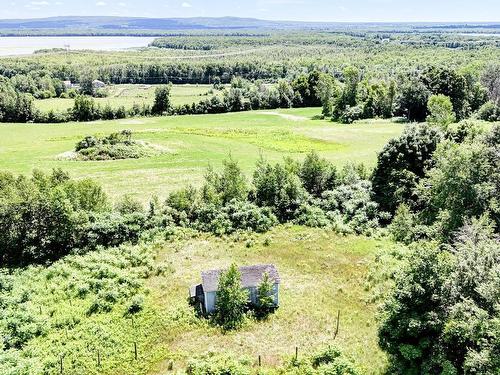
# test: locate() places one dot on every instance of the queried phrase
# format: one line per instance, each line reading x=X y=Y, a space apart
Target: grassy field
x=321 y=273
x=128 y=95
x=193 y=142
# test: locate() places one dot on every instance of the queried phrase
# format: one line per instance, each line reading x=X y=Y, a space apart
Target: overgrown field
x=80 y=306
x=192 y=143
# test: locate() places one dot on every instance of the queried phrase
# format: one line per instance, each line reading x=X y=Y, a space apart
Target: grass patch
x=277 y=140
x=127 y=95
x=195 y=142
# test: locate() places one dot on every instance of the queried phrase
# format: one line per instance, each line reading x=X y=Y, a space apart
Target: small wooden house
x=205 y=294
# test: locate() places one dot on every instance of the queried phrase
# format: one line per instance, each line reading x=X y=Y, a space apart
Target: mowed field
x=128 y=95
x=192 y=143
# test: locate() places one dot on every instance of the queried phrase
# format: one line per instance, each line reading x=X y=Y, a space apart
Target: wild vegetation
x=377 y=197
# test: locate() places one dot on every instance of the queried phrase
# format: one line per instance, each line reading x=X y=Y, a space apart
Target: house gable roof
x=251 y=276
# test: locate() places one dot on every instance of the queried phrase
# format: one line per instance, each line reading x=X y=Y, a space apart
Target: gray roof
x=251 y=276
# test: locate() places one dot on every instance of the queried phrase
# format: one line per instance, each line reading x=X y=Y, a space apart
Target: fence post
x=296 y=353
x=260 y=363
x=135 y=351
x=98 y=358
x=337 y=327
x=61 y=364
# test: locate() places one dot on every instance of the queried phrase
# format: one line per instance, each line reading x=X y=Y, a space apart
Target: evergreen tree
x=231 y=299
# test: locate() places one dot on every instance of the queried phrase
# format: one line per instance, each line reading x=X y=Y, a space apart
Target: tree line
x=351 y=95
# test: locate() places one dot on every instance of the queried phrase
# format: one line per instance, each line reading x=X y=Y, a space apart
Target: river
x=13 y=46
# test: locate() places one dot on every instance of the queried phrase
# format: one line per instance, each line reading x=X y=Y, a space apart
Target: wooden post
x=98 y=358
x=40 y=309
x=61 y=365
x=296 y=353
x=260 y=363
x=135 y=351
x=337 y=327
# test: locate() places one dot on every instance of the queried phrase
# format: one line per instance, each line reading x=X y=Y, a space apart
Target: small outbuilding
x=98 y=84
x=204 y=295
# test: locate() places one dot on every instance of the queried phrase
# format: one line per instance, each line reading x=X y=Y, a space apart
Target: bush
x=162 y=103
x=489 y=112
x=317 y=175
x=351 y=114
x=464 y=183
x=212 y=365
x=279 y=188
x=440 y=111
x=136 y=304
x=352 y=201
x=112 y=229
x=116 y=146
x=43 y=218
x=311 y=216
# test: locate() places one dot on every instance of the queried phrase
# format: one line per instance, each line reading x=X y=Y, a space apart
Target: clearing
x=194 y=142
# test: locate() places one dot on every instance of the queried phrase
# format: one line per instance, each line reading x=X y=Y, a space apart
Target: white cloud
x=100 y=4
x=122 y=4
x=186 y=5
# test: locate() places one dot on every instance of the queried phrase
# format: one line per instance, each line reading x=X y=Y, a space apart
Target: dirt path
x=285 y=116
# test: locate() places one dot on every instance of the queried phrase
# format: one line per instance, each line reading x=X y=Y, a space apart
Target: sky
x=297 y=10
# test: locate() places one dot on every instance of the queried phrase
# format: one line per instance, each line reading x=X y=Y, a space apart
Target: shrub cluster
x=113 y=147
x=327 y=361
x=67 y=296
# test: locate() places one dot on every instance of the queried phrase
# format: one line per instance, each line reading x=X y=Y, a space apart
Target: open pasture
x=128 y=95
x=193 y=142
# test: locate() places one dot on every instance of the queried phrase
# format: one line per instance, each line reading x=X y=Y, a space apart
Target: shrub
x=317 y=175
x=440 y=111
x=489 y=112
x=135 y=305
x=352 y=201
x=248 y=216
x=265 y=297
x=311 y=216
x=212 y=365
x=279 y=188
x=464 y=183
x=351 y=114
x=116 y=146
x=221 y=188
x=112 y=229
x=162 y=104
x=43 y=218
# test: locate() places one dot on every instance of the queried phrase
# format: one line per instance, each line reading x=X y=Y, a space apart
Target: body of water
x=13 y=46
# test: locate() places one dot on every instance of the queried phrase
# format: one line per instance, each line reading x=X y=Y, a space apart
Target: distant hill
x=136 y=25
x=133 y=23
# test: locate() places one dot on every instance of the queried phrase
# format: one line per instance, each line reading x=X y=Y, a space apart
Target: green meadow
x=127 y=95
x=192 y=143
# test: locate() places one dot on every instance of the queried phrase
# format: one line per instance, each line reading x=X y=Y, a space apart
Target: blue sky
x=304 y=10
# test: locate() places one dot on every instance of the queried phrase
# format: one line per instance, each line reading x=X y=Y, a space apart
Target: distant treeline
x=345 y=97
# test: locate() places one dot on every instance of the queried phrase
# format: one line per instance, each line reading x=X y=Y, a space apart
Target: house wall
x=211 y=298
